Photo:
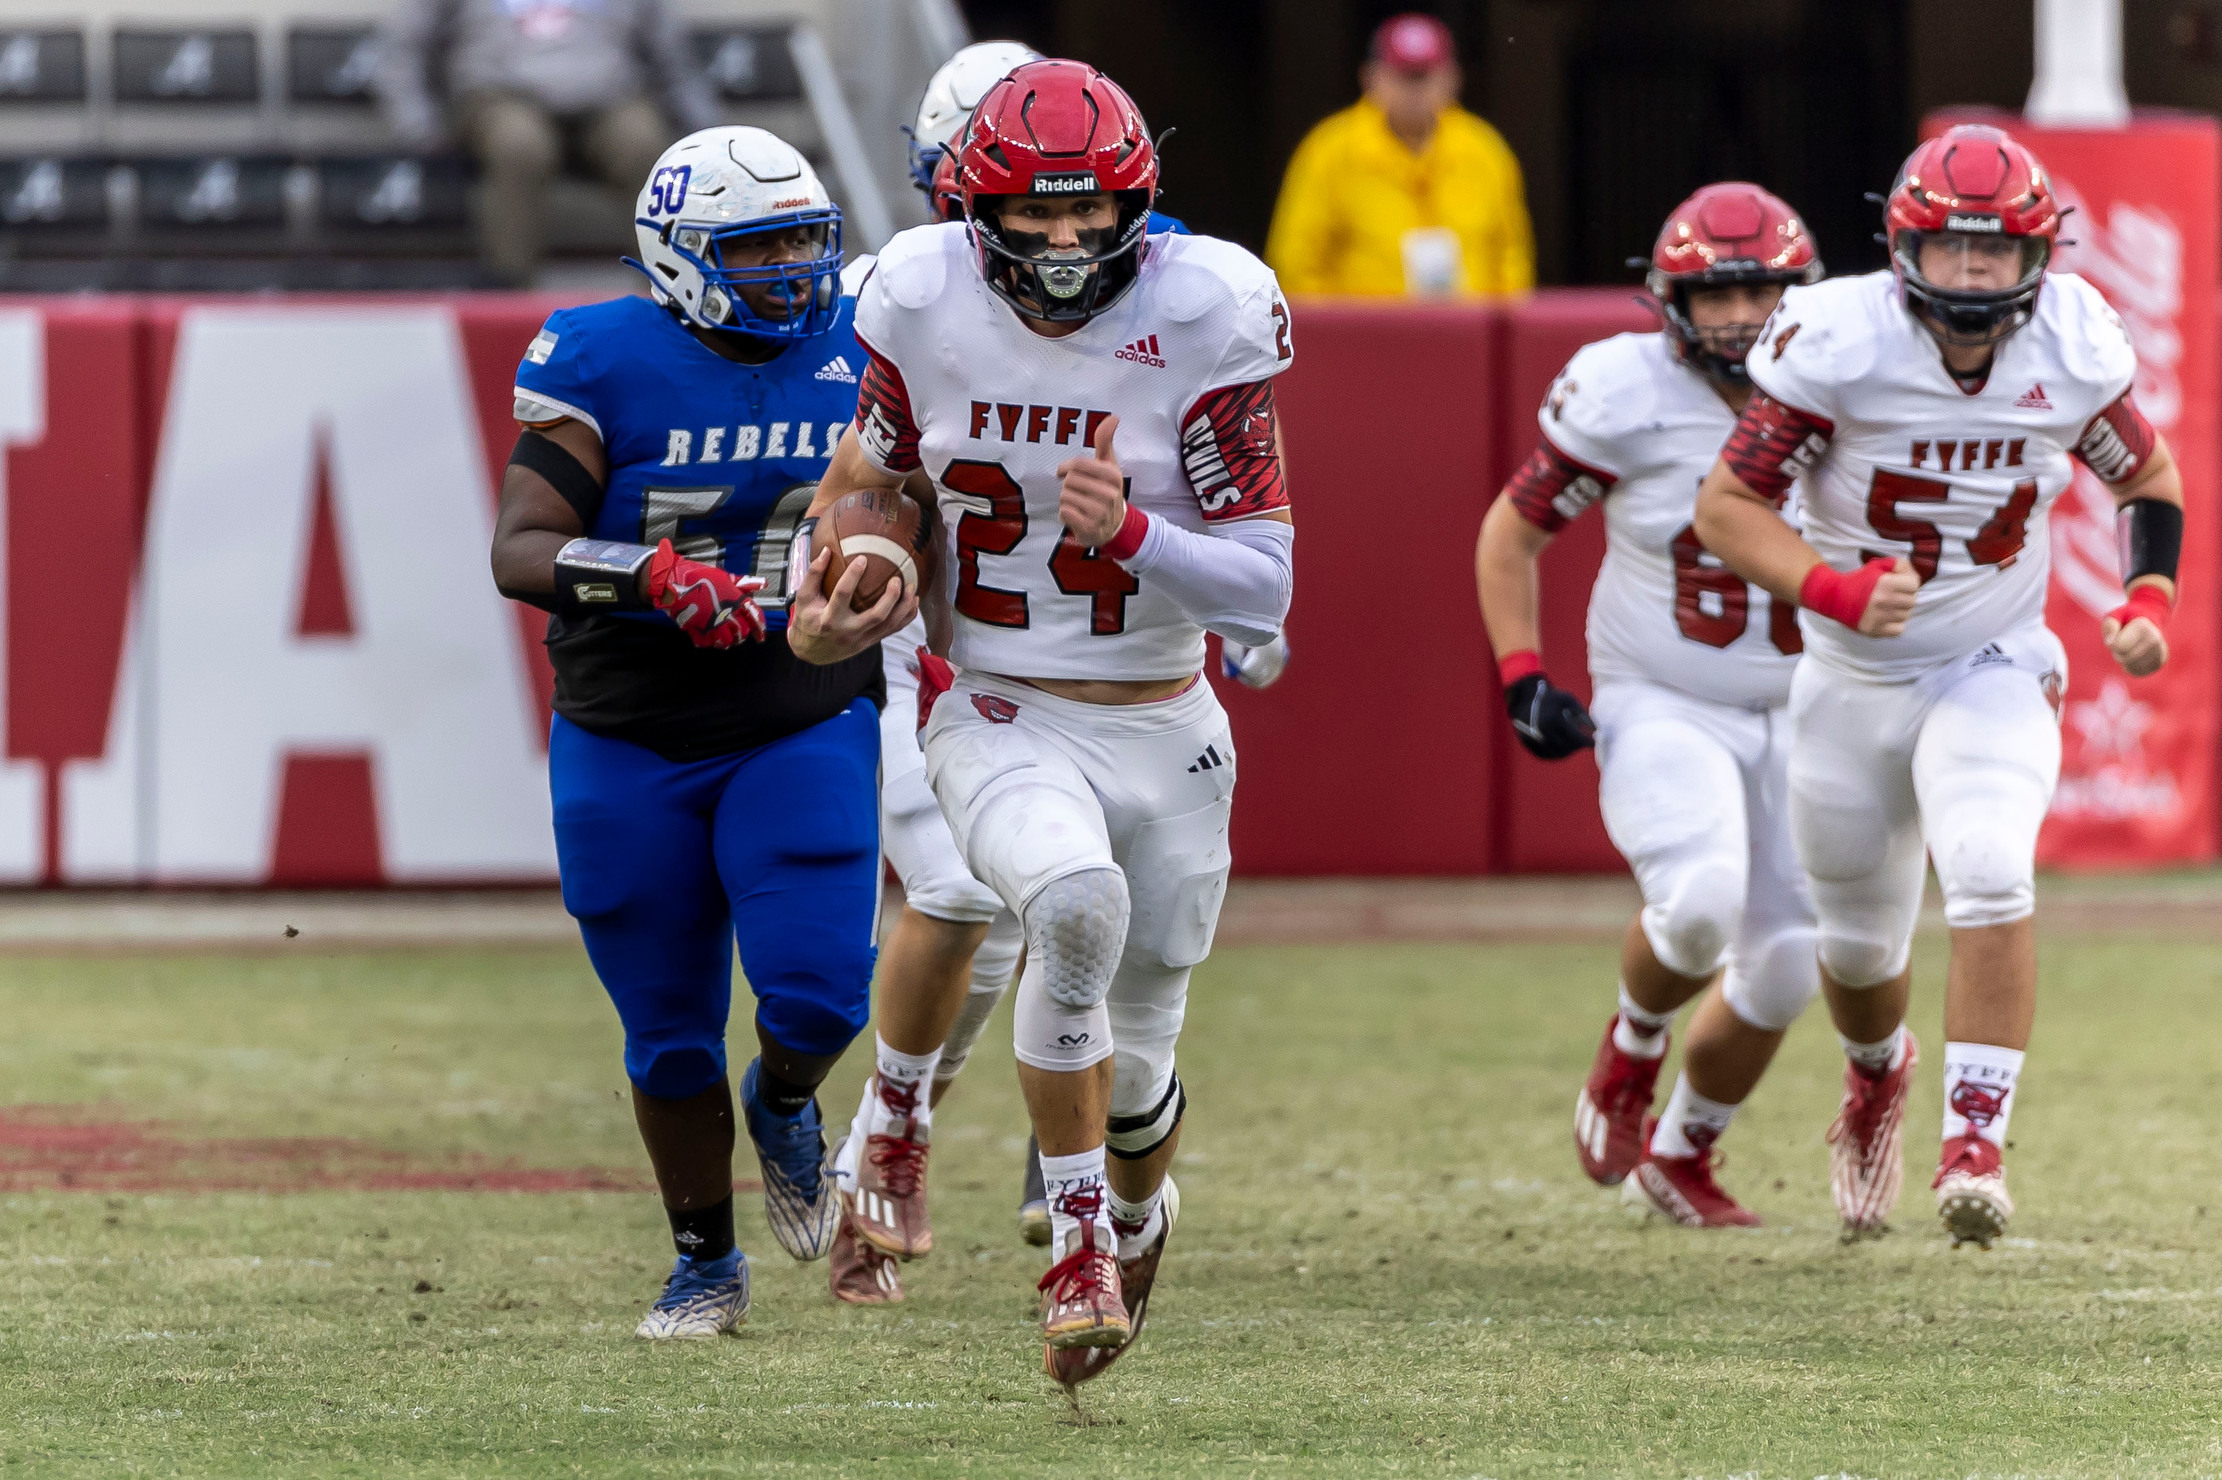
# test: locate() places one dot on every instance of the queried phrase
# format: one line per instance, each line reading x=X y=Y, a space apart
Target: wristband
x=1132 y=530
x=1842 y=596
x=600 y=576
x=2147 y=601
x=1513 y=667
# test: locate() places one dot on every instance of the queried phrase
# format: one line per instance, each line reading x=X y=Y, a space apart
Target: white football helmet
x=952 y=95
x=714 y=187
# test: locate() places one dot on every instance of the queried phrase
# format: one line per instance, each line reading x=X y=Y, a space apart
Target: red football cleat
x=888 y=1204
x=1608 y=1115
x=1081 y=1301
x=1682 y=1187
x=1866 y=1170
x=1971 y=1192
x=860 y=1274
x=1137 y=1277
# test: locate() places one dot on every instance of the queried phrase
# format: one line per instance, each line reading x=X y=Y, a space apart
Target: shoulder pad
x=853 y=275
x=913 y=267
x=2094 y=344
x=1200 y=273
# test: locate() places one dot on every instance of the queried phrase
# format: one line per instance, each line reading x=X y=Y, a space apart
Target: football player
x=709 y=787
x=1691 y=670
x=1933 y=411
x=1095 y=407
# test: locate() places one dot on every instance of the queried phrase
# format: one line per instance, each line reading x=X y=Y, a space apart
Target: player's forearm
x=2159 y=481
x=849 y=471
x=1505 y=573
x=1750 y=538
x=1237 y=581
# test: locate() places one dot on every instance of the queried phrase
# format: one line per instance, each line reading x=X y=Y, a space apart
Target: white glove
x=1255 y=667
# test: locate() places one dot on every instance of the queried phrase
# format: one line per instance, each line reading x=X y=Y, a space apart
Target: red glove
x=714 y=607
x=1840 y=595
x=2144 y=601
x=935 y=678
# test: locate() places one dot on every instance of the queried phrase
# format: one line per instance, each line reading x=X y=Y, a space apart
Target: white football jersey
x=1960 y=483
x=961 y=386
x=1643 y=428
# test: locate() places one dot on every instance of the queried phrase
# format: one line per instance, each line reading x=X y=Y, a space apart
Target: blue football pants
x=667 y=864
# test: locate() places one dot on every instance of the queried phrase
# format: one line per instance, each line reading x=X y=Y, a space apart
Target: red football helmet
x=1727 y=235
x=1976 y=191
x=1058 y=129
x=945 y=199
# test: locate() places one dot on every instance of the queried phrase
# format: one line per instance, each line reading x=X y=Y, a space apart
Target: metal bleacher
x=184 y=144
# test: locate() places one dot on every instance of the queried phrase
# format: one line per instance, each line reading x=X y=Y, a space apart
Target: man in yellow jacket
x=1404 y=192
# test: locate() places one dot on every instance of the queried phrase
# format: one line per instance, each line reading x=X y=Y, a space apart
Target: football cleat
x=860 y=1274
x=1608 y=1114
x=1080 y=1300
x=700 y=1301
x=1866 y=1170
x=800 y=1200
x=1033 y=1201
x=1682 y=1187
x=1971 y=1192
x=886 y=1199
x=1073 y=1366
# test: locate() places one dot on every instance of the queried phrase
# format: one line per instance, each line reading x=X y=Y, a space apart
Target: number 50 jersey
x=960 y=386
x=1899 y=460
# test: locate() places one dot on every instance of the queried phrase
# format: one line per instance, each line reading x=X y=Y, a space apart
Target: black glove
x=1550 y=722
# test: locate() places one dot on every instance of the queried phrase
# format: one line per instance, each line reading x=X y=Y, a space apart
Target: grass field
x=1388 y=1262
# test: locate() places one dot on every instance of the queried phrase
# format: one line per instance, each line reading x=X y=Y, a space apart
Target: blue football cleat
x=700 y=1301
x=800 y=1202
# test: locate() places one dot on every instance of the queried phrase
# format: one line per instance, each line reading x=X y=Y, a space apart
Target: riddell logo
x=1066 y=182
x=1144 y=352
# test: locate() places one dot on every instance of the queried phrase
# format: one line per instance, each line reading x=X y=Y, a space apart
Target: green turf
x=1388 y=1264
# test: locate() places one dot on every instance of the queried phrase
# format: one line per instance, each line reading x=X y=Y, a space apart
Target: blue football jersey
x=717 y=457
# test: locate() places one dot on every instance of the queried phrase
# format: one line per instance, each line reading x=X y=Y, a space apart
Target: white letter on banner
x=216 y=688
x=22 y=422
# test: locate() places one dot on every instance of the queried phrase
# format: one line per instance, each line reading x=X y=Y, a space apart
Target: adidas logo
x=1144 y=351
x=1210 y=760
x=837 y=368
x=1991 y=653
x=2034 y=398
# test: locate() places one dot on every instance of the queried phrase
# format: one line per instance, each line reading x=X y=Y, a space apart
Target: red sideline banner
x=2137 y=775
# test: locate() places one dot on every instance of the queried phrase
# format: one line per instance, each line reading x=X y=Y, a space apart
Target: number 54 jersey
x=1626 y=423
x=1898 y=460
x=959 y=385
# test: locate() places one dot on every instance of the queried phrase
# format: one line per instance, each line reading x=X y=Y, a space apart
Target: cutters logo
x=1977 y=1104
x=1066 y=182
x=1954 y=221
x=995 y=709
x=1143 y=351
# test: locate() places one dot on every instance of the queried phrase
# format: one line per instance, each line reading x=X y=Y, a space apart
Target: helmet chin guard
x=715 y=189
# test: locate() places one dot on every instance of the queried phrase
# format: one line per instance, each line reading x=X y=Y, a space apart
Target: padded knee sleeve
x=1075 y=931
x=1771 y=981
x=1049 y=1035
x=1691 y=927
x=992 y=967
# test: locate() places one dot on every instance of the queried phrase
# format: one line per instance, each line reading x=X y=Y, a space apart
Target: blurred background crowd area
x=245 y=144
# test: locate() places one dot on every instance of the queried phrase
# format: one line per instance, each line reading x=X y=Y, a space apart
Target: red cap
x=1414 y=43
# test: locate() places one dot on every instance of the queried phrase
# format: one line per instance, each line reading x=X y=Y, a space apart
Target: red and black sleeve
x=1551 y=489
x=883 y=419
x=1774 y=445
x=1230 y=444
x=2118 y=441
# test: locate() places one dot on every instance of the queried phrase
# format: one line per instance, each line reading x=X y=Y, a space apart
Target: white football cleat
x=700 y=1301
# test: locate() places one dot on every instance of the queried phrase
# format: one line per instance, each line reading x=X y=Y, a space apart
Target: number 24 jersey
x=960 y=386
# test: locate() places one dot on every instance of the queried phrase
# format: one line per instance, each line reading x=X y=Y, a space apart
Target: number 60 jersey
x=958 y=385
x=1898 y=460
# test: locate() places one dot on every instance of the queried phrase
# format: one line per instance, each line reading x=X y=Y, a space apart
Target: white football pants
x=1696 y=798
x=1963 y=758
x=1039 y=789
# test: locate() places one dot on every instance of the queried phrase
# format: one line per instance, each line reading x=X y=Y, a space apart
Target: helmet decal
x=1726 y=235
x=1973 y=192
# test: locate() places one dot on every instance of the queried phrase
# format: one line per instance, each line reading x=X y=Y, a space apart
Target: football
x=889 y=530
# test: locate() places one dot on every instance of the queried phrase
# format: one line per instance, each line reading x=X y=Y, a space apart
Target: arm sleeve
x=1300 y=244
x=885 y=428
x=554 y=380
x=686 y=92
x=1774 y=445
x=2117 y=441
x=1236 y=580
x=1230 y=445
x=1552 y=489
x=405 y=45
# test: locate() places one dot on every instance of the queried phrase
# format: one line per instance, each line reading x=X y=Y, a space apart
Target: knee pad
x=1691 y=927
x=1132 y=1137
x=1988 y=875
x=1770 y=983
x=676 y=1072
x=1075 y=933
x=1049 y=1035
x=1863 y=959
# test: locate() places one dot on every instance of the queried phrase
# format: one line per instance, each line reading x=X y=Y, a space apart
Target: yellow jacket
x=1354 y=189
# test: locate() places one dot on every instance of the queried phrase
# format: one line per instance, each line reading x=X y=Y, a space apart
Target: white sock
x=1640 y=1033
x=1979 y=1090
x=1144 y=1217
x=1691 y=1123
x=906 y=1080
x=1075 y=1188
x=1881 y=1057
